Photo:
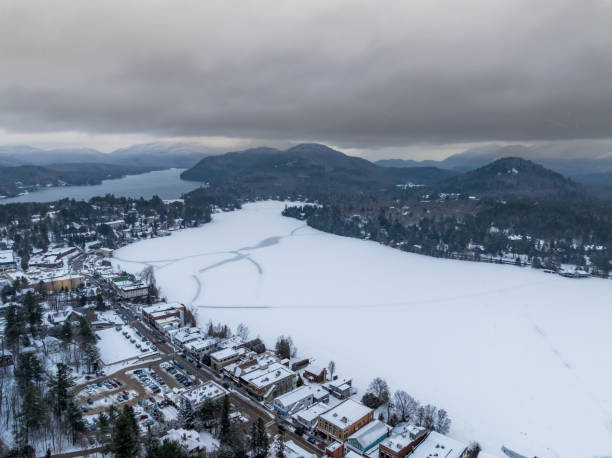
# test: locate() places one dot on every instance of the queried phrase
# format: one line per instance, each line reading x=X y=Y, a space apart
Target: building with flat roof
x=209 y=391
x=221 y=358
x=344 y=420
x=366 y=438
x=299 y=399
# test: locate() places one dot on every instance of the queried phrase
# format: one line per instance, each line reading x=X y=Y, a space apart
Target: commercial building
x=344 y=420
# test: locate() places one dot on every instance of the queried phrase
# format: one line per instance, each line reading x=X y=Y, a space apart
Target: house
x=309 y=417
x=188 y=438
x=402 y=441
x=185 y=335
x=221 y=358
x=299 y=399
x=315 y=374
x=369 y=436
x=428 y=445
x=341 y=388
x=7 y=260
x=344 y=420
x=209 y=391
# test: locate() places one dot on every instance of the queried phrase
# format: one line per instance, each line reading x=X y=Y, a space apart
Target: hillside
x=14 y=180
x=512 y=177
x=309 y=168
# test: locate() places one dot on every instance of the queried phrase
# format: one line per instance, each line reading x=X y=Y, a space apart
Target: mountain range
x=319 y=171
x=152 y=156
x=592 y=167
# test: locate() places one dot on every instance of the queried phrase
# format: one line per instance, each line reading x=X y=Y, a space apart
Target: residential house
x=344 y=420
x=341 y=388
x=315 y=374
x=7 y=260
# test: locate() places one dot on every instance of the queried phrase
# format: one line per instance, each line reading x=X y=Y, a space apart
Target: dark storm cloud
x=357 y=74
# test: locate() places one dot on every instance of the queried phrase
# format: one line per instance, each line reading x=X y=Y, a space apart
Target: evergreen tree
x=85 y=334
x=65 y=333
x=32 y=312
x=186 y=415
x=225 y=429
x=259 y=440
x=32 y=415
x=28 y=370
x=91 y=355
x=168 y=449
x=58 y=389
x=14 y=326
x=74 y=420
x=125 y=438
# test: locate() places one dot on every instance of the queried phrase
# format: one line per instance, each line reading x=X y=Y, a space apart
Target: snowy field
x=517 y=357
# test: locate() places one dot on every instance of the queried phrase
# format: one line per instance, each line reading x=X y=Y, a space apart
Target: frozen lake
x=517 y=357
x=166 y=184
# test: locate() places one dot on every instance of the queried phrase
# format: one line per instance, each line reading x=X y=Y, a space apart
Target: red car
x=144 y=416
x=321 y=446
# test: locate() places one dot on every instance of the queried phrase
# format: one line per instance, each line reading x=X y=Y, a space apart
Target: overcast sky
x=417 y=78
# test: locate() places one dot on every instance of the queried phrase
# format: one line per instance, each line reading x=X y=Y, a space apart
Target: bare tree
x=331 y=368
x=442 y=422
x=405 y=406
x=379 y=388
x=429 y=417
x=243 y=331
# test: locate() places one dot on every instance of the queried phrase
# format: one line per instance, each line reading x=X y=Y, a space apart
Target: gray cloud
x=355 y=74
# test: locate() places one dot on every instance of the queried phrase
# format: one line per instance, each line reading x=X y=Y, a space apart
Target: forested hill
x=311 y=169
x=26 y=177
x=513 y=177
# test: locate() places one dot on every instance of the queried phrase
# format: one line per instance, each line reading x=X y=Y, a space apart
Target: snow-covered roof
x=266 y=376
x=370 y=433
x=292 y=450
x=311 y=413
x=188 y=438
x=290 y=398
x=7 y=257
x=346 y=413
x=436 y=443
x=210 y=390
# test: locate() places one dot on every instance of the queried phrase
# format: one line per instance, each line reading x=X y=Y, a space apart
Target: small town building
x=221 y=358
x=308 y=417
x=299 y=399
x=209 y=391
x=368 y=437
x=315 y=374
x=344 y=420
x=402 y=441
x=428 y=445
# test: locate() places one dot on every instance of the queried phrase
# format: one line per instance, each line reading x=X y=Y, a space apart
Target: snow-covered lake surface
x=517 y=357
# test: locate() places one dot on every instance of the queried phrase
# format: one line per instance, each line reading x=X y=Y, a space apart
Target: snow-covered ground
x=518 y=357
